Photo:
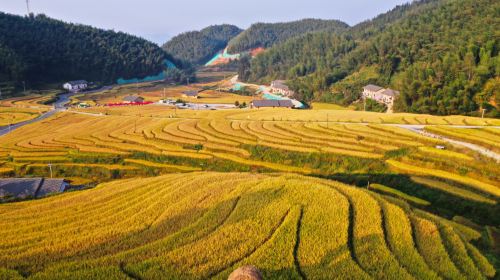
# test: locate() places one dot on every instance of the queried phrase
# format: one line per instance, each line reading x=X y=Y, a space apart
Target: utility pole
x=50 y=168
x=28 y=6
x=24 y=87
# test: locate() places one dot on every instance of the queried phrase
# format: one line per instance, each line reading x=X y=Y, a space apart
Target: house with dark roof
x=380 y=94
x=75 y=86
x=133 y=99
x=280 y=87
x=271 y=104
x=30 y=187
x=191 y=94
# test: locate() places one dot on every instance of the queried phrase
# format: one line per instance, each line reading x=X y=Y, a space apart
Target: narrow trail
x=482 y=150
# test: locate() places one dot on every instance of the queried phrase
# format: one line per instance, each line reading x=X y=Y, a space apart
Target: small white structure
x=75 y=86
x=280 y=87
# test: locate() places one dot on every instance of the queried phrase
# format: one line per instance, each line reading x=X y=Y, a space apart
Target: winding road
x=59 y=106
x=484 y=151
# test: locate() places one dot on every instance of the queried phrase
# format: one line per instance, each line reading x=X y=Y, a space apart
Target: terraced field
x=10 y=115
x=152 y=140
x=219 y=138
x=20 y=109
x=485 y=137
x=204 y=225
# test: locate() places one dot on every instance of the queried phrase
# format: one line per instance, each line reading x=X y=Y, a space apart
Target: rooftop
x=133 y=98
x=30 y=187
x=281 y=84
x=191 y=93
x=272 y=103
x=374 y=88
x=390 y=92
x=78 y=82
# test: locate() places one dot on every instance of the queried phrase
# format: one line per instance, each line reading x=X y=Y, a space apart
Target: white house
x=381 y=95
x=75 y=86
x=280 y=87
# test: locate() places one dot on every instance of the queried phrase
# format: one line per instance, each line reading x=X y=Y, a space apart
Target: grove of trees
x=442 y=55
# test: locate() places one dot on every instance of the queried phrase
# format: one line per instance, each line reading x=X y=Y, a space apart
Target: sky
x=159 y=20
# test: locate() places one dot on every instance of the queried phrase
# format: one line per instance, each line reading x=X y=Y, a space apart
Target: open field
x=204 y=225
x=127 y=142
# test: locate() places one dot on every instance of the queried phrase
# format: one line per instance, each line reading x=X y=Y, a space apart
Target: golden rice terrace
x=204 y=225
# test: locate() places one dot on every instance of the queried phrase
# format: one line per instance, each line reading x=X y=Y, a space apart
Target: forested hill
x=441 y=54
x=38 y=49
x=268 y=34
x=197 y=47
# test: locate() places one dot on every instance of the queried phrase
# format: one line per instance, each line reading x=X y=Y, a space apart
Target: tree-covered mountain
x=197 y=47
x=441 y=54
x=268 y=34
x=38 y=49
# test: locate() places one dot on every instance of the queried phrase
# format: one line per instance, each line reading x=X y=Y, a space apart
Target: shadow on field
x=442 y=203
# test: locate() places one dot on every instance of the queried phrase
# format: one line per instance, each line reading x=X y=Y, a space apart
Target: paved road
x=59 y=106
x=482 y=150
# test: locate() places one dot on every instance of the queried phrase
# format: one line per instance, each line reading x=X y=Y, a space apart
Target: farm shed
x=133 y=99
x=30 y=187
x=272 y=104
x=190 y=94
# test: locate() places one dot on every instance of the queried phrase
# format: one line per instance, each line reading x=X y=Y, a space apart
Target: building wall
x=389 y=100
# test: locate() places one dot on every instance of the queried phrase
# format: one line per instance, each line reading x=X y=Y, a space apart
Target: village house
x=380 y=94
x=76 y=86
x=279 y=87
x=22 y=188
x=191 y=94
x=271 y=104
x=133 y=99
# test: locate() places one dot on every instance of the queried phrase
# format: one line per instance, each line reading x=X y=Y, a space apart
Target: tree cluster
x=269 y=34
x=197 y=47
x=41 y=50
x=441 y=55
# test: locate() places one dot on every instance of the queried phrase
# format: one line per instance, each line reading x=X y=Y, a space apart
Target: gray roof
x=30 y=187
x=373 y=88
x=132 y=98
x=51 y=186
x=79 y=82
x=272 y=103
x=19 y=187
x=191 y=93
x=390 y=92
x=279 y=84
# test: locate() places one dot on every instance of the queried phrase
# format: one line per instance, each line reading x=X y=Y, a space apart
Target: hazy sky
x=159 y=20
